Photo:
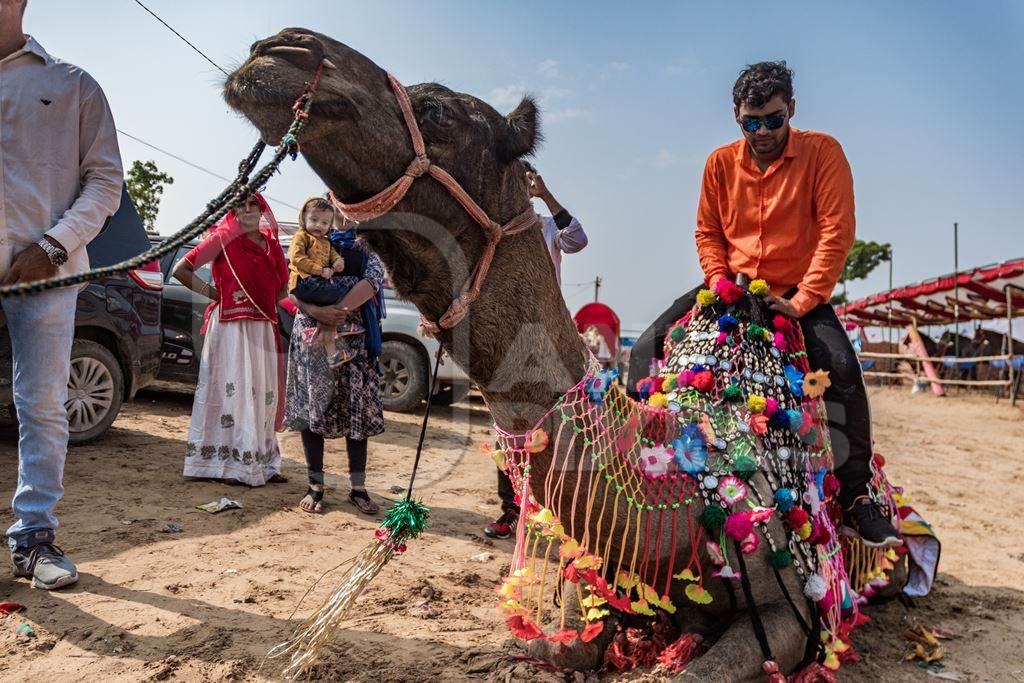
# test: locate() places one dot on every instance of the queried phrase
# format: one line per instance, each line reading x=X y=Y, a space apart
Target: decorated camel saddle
x=727 y=454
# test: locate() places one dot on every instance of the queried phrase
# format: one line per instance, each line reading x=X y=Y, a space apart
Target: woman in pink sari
x=238 y=404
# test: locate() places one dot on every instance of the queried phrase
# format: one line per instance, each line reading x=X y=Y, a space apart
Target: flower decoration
x=715 y=553
x=795 y=379
x=658 y=400
x=697 y=594
x=712 y=517
x=703 y=381
x=755 y=332
x=727 y=572
x=815 y=383
x=732 y=394
x=797 y=517
x=759 y=287
x=731 y=490
x=770 y=406
x=691 y=451
x=728 y=291
x=654 y=461
x=796 y=418
x=592 y=630
x=727 y=323
x=524 y=628
x=744 y=466
x=598 y=386
x=782 y=324
x=738 y=526
x=785 y=499
x=757 y=403
x=779 y=420
x=758 y=423
x=750 y=544
x=779 y=340
x=678 y=333
x=537 y=441
x=706 y=297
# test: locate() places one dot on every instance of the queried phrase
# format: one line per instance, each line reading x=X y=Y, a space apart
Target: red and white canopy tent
x=993 y=292
x=987 y=293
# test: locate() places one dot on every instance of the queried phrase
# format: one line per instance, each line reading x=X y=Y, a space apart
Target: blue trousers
x=42 y=327
x=320 y=291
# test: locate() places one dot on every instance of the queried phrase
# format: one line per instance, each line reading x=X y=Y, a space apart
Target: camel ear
x=522 y=133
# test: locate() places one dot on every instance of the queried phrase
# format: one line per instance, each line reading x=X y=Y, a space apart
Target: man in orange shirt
x=778 y=205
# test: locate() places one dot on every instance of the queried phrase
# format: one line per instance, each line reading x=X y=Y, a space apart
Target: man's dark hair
x=760 y=82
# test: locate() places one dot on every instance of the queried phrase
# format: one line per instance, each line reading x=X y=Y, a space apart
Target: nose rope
x=385 y=200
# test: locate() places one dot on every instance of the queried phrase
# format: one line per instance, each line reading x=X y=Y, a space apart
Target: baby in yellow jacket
x=313 y=264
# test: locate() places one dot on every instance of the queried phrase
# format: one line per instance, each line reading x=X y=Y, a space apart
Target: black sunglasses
x=752 y=124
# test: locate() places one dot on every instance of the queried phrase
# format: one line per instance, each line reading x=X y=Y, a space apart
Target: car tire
x=403 y=378
x=95 y=391
x=451 y=393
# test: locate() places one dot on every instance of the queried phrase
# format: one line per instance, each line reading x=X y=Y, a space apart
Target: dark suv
x=116 y=350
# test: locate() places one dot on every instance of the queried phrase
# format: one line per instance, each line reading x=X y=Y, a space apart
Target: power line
x=187 y=41
x=196 y=166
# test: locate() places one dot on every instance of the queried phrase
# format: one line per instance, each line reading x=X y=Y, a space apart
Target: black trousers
x=320 y=291
x=313 y=447
x=828 y=348
x=506 y=493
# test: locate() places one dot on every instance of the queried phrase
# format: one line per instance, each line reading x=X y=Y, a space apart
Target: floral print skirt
x=231 y=433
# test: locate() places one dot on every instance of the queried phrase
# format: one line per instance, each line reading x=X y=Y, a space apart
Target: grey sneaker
x=47 y=564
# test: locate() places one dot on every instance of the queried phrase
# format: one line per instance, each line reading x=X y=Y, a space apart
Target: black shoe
x=865 y=520
x=503 y=526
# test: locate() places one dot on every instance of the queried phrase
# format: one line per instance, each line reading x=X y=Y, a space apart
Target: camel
x=518 y=343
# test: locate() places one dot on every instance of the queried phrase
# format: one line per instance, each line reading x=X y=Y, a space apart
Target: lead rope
x=216 y=209
x=426 y=418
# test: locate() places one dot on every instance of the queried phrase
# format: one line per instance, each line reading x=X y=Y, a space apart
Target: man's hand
x=339 y=265
x=30 y=264
x=536 y=185
x=326 y=273
x=783 y=306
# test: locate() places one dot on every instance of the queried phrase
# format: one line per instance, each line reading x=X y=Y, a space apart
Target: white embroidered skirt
x=231 y=433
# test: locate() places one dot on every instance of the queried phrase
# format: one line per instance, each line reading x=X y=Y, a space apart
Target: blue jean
x=320 y=291
x=42 y=328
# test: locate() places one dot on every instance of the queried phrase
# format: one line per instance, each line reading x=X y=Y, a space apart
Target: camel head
x=358 y=143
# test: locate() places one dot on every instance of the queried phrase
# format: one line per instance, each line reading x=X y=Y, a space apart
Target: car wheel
x=451 y=393
x=95 y=391
x=403 y=376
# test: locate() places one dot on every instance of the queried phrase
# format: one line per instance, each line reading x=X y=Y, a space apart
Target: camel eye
x=439 y=114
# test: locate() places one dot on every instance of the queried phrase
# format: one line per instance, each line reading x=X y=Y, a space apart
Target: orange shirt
x=791 y=225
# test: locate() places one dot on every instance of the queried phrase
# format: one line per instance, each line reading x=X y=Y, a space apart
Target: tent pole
x=1009 y=343
x=956 y=289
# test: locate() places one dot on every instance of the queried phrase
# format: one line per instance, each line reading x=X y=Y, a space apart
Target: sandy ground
x=207 y=603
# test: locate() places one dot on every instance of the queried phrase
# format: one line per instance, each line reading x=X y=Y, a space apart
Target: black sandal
x=317 y=497
x=362 y=500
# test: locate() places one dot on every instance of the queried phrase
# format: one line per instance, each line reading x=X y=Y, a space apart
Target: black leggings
x=313 y=446
x=828 y=348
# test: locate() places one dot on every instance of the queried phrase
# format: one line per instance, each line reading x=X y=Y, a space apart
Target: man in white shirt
x=563 y=234
x=60 y=178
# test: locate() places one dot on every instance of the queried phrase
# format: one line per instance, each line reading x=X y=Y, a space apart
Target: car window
x=204 y=272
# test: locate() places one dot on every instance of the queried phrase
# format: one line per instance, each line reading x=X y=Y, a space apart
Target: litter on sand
x=220 y=505
x=26 y=630
x=172 y=528
x=10 y=607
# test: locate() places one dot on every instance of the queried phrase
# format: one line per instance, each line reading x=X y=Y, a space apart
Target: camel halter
x=386 y=199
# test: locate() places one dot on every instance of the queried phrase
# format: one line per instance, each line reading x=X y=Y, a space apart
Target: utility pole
x=597 y=286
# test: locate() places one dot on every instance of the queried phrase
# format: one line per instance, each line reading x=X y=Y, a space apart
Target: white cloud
x=665 y=158
x=506 y=97
x=618 y=66
x=558 y=115
x=553 y=93
x=548 y=68
x=683 y=67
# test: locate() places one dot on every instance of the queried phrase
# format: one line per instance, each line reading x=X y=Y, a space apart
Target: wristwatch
x=57 y=255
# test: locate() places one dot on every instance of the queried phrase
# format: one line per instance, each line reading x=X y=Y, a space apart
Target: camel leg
x=577 y=655
x=736 y=656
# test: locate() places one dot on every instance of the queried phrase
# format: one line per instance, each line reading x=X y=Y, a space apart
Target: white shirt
x=568 y=240
x=60 y=167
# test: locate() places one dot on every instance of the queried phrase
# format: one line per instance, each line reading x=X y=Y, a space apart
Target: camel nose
x=295 y=46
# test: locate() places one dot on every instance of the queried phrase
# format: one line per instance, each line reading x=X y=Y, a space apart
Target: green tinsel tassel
x=712 y=517
x=677 y=333
x=745 y=467
x=733 y=393
x=755 y=332
x=405 y=520
x=780 y=558
x=811 y=437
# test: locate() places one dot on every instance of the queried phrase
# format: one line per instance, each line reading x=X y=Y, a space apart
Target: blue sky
x=924 y=96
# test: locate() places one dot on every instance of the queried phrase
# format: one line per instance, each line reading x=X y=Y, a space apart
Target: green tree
x=863 y=258
x=145 y=185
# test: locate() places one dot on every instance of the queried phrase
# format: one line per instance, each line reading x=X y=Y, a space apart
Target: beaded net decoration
x=629 y=481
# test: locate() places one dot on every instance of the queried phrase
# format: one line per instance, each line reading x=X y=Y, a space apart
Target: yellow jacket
x=308 y=255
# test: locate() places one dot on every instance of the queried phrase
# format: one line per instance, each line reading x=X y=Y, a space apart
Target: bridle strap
x=385 y=200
